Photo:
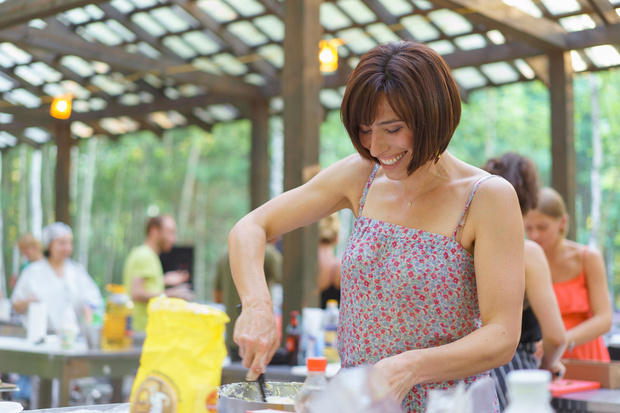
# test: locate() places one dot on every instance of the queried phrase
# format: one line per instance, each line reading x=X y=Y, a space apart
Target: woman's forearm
x=553 y=351
x=589 y=330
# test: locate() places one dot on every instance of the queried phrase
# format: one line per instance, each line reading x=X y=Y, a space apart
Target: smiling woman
x=432 y=276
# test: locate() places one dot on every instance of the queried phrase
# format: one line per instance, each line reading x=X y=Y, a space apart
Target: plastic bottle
x=528 y=391
x=293 y=334
x=117 y=333
x=330 y=327
x=315 y=382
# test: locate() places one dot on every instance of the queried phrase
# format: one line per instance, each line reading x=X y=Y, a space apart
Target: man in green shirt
x=143 y=275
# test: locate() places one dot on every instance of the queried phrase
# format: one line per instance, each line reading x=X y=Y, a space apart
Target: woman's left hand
x=398 y=375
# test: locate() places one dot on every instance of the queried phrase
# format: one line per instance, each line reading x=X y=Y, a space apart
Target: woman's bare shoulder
x=534 y=254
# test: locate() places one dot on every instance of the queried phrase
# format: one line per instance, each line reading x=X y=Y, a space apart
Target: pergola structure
x=160 y=64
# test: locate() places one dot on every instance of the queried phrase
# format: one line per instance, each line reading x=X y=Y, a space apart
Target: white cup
x=5 y=310
x=37 y=321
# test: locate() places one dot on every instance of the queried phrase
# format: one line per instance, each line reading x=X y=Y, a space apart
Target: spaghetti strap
x=365 y=193
x=461 y=222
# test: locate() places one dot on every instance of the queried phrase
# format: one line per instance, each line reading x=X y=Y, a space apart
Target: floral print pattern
x=404 y=289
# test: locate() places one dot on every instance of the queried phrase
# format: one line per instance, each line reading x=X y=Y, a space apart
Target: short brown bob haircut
x=521 y=173
x=418 y=86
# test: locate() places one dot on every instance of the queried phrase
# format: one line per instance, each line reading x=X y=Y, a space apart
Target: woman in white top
x=56 y=280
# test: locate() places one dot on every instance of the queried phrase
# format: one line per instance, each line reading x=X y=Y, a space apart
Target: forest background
x=201 y=178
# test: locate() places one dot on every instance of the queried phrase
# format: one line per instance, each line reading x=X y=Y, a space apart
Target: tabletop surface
x=51 y=347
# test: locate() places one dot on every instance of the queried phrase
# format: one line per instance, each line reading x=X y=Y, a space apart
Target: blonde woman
x=579 y=278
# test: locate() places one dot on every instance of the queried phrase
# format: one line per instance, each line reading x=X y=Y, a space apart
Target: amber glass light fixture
x=61 y=106
x=328 y=55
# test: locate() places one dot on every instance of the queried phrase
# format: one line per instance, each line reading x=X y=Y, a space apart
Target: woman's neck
x=57 y=265
x=555 y=249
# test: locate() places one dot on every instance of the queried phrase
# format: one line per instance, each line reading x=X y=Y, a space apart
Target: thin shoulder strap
x=461 y=222
x=365 y=193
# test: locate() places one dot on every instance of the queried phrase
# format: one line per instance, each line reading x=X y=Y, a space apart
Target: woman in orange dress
x=579 y=278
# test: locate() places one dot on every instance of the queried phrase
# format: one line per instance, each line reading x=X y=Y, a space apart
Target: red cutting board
x=565 y=386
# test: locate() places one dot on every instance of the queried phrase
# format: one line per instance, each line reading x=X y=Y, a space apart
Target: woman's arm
x=598 y=294
x=496 y=220
x=331 y=190
x=540 y=294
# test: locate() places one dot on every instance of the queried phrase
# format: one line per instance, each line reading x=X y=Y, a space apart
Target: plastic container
x=330 y=327
x=315 y=382
x=528 y=391
x=116 y=333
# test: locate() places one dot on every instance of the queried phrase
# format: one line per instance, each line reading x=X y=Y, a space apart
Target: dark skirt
x=522 y=360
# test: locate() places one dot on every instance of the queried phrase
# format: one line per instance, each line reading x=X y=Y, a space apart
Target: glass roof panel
x=526 y=6
x=332 y=18
x=442 y=47
x=247 y=7
x=95 y=12
x=177 y=45
x=117 y=126
x=203 y=115
x=224 y=112
x=525 y=69
x=177 y=118
x=48 y=73
x=229 y=64
x=201 y=42
x=254 y=79
x=247 y=32
x=272 y=26
x=206 y=65
x=29 y=75
x=579 y=65
x=16 y=54
x=189 y=90
x=6 y=118
x=496 y=36
x=123 y=31
x=5 y=83
x=5 y=60
x=148 y=50
x=500 y=72
x=37 y=24
x=357 y=10
x=146 y=97
x=23 y=97
x=80 y=106
x=470 y=42
x=561 y=6
x=423 y=4
x=77 y=16
x=330 y=98
x=81 y=129
x=469 y=77
x=52 y=89
x=577 y=23
x=449 y=22
x=357 y=40
x=37 y=134
x=276 y=104
x=124 y=6
x=420 y=28
x=397 y=7
x=103 y=34
x=170 y=20
x=603 y=56
x=219 y=10
x=382 y=33
x=77 y=65
x=109 y=86
x=148 y=23
x=161 y=119
x=76 y=89
x=274 y=53
x=142 y=4
x=172 y=93
x=6 y=139
x=129 y=99
x=353 y=61
x=98 y=103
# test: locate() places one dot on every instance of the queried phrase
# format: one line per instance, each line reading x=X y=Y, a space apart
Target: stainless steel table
x=99 y=408
x=49 y=362
x=592 y=401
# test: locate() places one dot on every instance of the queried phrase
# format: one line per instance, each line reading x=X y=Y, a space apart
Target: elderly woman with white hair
x=56 y=280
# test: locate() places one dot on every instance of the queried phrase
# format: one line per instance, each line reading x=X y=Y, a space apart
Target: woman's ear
x=564 y=224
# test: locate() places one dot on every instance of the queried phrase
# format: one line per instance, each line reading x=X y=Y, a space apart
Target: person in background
x=226 y=293
x=56 y=280
x=541 y=318
x=31 y=249
x=143 y=275
x=329 y=264
x=579 y=278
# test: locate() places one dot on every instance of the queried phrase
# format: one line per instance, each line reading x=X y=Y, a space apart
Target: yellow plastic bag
x=181 y=362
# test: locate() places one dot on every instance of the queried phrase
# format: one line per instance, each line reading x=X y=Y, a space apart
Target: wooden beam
x=64 y=143
x=273 y=6
x=539 y=32
x=388 y=18
x=563 y=170
x=15 y=12
x=301 y=83
x=259 y=158
x=118 y=58
x=540 y=66
x=605 y=11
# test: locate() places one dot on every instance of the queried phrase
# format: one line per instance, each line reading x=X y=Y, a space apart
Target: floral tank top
x=404 y=289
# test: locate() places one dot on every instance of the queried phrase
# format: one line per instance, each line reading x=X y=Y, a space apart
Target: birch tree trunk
x=597 y=159
x=108 y=276
x=73 y=182
x=489 y=143
x=203 y=291
x=47 y=182
x=189 y=185
x=23 y=190
x=3 y=287
x=84 y=223
x=36 y=208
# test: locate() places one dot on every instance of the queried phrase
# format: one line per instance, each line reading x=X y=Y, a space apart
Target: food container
x=244 y=396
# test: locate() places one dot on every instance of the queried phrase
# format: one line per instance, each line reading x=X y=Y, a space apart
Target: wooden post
x=301 y=84
x=563 y=171
x=64 y=142
x=259 y=168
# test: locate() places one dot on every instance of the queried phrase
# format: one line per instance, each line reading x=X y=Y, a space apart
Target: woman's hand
x=398 y=374
x=257 y=337
x=558 y=370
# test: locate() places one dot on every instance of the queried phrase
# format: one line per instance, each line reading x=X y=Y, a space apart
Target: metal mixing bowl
x=244 y=396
